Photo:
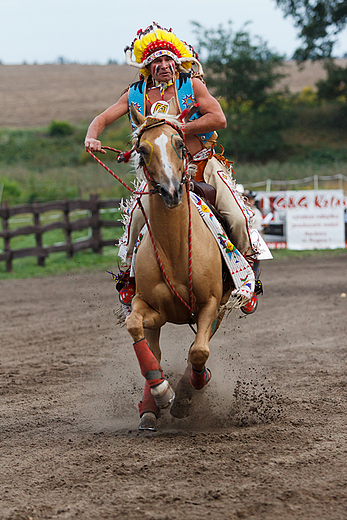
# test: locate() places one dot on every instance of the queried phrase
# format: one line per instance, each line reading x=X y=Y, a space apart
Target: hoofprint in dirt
x=266 y=438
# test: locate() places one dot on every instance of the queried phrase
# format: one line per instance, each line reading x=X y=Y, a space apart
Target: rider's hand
x=93 y=145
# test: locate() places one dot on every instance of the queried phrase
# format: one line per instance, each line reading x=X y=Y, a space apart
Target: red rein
x=121 y=157
x=125 y=157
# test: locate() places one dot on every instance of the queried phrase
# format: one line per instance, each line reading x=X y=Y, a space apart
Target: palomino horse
x=162 y=154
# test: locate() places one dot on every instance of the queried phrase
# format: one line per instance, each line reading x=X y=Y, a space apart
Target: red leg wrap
x=199 y=379
x=148 y=403
x=149 y=365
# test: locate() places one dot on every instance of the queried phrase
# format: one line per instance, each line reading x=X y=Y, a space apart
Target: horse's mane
x=154 y=120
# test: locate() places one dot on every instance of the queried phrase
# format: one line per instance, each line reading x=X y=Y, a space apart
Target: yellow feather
x=142 y=43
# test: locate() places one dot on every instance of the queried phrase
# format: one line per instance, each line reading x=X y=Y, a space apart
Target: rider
x=169 y=68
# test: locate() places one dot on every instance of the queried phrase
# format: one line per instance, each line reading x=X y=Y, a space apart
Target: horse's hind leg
x=142 y=315
x=200 y=378
x=220 y=314
x=184 y=394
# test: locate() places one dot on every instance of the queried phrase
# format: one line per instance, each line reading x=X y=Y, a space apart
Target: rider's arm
x=99 y=123
x=212 y=117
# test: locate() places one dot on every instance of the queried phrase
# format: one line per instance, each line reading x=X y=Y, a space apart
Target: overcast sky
x=92 y=31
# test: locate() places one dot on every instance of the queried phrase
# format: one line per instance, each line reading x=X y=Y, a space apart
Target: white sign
x=314 y=219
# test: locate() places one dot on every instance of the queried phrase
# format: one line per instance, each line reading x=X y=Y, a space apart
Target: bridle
x=180 y=130
x=156 y=189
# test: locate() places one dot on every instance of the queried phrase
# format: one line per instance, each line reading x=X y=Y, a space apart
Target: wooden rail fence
x=93 y=222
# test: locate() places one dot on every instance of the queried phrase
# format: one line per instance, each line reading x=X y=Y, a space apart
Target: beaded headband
x=155 y=41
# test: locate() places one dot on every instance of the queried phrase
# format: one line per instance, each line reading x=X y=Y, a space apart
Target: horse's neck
x=169 y=226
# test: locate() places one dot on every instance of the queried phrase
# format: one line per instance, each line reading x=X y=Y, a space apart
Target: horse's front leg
x=148 y=409
x=199 y=351
x=143 y=315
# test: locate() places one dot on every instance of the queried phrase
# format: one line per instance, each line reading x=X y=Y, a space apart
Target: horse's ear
x=137 y=118
x=172 y=107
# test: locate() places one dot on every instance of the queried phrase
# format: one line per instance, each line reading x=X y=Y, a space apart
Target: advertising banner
x=314 y=219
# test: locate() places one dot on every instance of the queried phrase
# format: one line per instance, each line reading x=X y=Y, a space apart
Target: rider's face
x=162 y=69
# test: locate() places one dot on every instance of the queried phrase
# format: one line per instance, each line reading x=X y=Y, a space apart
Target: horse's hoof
x=163 y=394
x=200 y=379
x=148 y=421
x=184 y=394
x=180 y=408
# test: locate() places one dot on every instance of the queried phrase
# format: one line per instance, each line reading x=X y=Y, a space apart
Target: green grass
x=87 y=261
x=58 y=263
x=38 y=166
x=35 y=166
x=287 y=254
x=65 y=182
x=248 y=174
x=57 y=235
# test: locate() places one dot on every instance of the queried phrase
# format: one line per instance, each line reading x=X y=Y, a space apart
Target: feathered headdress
x=155 y=41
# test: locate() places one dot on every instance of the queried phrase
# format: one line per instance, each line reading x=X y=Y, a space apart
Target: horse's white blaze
x=161 y=142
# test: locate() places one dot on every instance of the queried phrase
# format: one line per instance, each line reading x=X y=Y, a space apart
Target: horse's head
x=160 y=144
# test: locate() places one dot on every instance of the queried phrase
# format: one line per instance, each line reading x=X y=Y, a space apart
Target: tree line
x=244 y=73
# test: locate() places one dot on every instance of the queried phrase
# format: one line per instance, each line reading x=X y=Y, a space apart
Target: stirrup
x=127 y=293
x=258 y=287
x=125 y=285
x=121 y=279
x=250 y=306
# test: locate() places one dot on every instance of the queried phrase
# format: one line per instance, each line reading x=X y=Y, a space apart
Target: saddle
x=205 y=191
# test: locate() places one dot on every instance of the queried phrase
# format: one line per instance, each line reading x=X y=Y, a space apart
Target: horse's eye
x=143 y=151
x=178 y=143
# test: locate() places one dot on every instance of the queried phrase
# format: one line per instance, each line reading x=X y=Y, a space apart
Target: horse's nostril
x=173 y=196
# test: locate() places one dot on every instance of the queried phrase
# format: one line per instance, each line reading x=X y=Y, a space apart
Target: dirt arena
x=266 y=439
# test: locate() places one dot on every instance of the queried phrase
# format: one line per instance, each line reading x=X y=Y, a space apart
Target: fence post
x=67 y=229
x=268 y=185
x=38 y=234
x=7 y=245
x=340 y=177
x=96 y=225
x=315 y=182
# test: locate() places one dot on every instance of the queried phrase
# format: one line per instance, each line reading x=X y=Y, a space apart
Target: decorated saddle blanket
x=240 y=270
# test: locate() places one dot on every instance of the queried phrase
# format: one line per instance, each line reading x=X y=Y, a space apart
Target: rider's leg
x=133 y=228
x=230 y=205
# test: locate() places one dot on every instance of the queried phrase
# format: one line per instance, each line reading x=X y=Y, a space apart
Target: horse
x=162 y=293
